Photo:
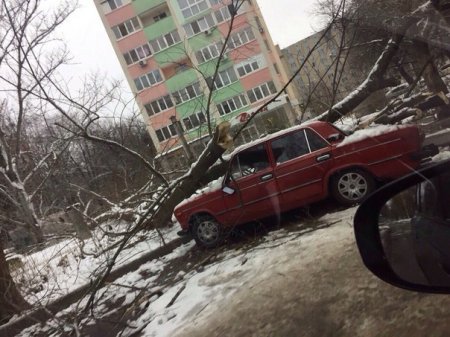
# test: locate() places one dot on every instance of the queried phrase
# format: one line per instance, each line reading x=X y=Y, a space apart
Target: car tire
x=352 y=186
x=207 y=231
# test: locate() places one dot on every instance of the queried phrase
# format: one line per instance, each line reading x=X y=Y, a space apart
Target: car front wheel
x=207 y=232
x=352 y=186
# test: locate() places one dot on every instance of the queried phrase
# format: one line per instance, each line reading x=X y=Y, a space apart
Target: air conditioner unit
x=142 y=63
x=208 y=32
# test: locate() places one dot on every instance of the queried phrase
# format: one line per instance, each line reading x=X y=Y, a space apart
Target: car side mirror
x=228 y=190
x=334 y=137
x=403 y=231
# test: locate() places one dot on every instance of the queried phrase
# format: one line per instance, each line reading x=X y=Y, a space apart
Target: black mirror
x=334 y=137
x=403 y=231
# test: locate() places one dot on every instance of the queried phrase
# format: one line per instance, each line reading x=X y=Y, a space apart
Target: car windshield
x=194 y=167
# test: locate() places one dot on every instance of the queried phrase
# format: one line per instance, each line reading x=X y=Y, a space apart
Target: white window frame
x=240 y=38
x=162 y=104
x=193 y=7
x=132 y=25
x=106 y=5
x=203 y=24
x=249 y=66
x=163 y=43
x=223 y=14
x=224 y=78
x=187 y=93
x=141 y=53
x=209 y=52
x=148 y=80
x=199 y=116
x=235 y=103
x=261 y=91
x=167 y=132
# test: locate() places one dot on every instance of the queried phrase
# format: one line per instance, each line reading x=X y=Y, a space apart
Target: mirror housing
x=367 y=231
x=334 y=137
x=228 y=190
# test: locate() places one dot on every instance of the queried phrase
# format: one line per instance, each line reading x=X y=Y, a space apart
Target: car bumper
x=184 y=233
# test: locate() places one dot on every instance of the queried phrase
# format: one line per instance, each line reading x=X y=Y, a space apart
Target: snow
x=369 y=133
x=444 y=154
x=63 y=267
x=203 y=288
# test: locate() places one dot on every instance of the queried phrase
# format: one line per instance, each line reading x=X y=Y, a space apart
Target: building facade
x=169 y=50
x=314 y=86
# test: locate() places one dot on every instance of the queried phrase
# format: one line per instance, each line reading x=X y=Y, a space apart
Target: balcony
x=159 y=28
x=141 y=6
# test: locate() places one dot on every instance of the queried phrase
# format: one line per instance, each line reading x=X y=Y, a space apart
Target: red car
x=296 y=167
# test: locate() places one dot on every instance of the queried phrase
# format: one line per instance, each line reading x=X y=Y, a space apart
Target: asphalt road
x=331 y=294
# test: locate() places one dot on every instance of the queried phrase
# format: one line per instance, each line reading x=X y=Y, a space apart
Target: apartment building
x=169 y=50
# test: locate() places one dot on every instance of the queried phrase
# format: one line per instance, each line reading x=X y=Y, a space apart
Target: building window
x=160 y=16
x=290 y=146
x=166 y=132
x=250 y=65
x=148 y=80
x=233 y=104
x=223 y=78
x=192 y=7
x=262 y=91
x=165 y=41
x=110 y=5
x=137 y=54
x=238 y=39
x=222 y=14
x=215 y=2
x=199 y=25
x=188 y=93
x=194 y=120
x=209 y=52
x=126 y=28
x=156 y=106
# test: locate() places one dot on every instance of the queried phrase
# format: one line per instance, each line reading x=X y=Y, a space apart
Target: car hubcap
x=208 y=231
x=352 y=186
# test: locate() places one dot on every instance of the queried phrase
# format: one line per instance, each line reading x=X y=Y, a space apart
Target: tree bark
x=11 y=301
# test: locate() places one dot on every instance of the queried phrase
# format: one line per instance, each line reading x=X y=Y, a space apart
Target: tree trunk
x=11 y=301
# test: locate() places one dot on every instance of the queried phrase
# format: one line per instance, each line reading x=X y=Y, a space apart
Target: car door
x=301 y=159
x=253 y=192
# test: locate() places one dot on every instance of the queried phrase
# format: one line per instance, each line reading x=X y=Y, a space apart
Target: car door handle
x=267 y=177
x=323 y=157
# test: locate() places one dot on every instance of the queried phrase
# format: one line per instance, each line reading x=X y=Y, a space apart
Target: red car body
x=302 y=176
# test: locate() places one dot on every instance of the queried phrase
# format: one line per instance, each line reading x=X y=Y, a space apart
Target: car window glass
x=290 y=146
x=315 y=141
x=249 y=161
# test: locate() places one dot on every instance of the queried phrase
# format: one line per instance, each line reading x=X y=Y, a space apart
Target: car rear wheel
x=207 y=232
x=352 y=186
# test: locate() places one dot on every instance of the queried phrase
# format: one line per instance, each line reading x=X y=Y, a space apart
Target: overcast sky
x=288 y=21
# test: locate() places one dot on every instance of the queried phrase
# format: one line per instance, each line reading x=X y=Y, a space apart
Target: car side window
x=290 y=146
x=249 y=161
x=315 y=141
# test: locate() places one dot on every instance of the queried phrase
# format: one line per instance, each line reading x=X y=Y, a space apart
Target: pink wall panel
x=152 y=93
x=244 y=52
x=132 y=41
x=161 y=119
x=120 y=15
x=136 y=70
x=256 y=78
x=239 y=23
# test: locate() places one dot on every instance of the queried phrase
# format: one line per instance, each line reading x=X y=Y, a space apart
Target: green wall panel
x=141 y=6
x=202 y=40
x=189 y=107
x=159 y=28
x=180 y=81
x=227 y=92
x=170 y=55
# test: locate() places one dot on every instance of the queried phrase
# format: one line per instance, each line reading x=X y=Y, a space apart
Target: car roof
x=311 y=124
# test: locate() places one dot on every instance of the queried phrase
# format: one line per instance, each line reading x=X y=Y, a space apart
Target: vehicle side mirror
x=403 y=231
x=334 y=137
x=228 y=190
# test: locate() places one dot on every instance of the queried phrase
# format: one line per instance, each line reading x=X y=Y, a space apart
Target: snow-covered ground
x=198 y=289
x=69 y=264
